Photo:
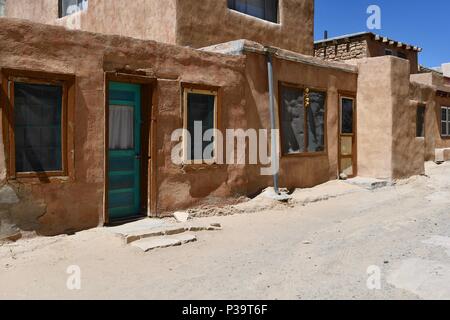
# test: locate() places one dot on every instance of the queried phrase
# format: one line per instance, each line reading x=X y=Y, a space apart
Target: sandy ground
x=307 y=250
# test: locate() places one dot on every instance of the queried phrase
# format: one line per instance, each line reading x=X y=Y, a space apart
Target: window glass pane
x=443 y=113
x=420 y=121
x=347 y=116
x=292 y=120
x=200 y=112
x=68 y=7
x=37 y=110
x=263 y=9
x=316 y=122
x=444 y=128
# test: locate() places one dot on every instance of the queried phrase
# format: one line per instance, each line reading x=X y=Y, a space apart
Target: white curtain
x=121 y=127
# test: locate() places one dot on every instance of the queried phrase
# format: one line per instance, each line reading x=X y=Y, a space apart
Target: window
x=263 y=9
x=2 y=8
x=200 y=119
x=402 y=55
x=37 y=127
x=68 y=7
x=302 y=120
x=388 y=52
x=420 y=121
x=347 y=116
x=445 y=121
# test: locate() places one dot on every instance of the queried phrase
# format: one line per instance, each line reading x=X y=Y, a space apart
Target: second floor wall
x=287 y=24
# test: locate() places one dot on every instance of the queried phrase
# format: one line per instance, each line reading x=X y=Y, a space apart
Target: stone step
x=160 y=242
x=136 y=234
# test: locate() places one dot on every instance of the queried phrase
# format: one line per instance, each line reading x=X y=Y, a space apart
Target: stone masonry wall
x=344 y=51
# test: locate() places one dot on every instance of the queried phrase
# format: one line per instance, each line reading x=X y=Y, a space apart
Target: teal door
x=124 y=159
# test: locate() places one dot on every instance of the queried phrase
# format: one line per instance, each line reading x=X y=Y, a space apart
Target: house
x=92 y=97
x=366 y=45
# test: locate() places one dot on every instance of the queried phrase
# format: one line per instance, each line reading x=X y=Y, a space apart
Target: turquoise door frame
x=124 y=165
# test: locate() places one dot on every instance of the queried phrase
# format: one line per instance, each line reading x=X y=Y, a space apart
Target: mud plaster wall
x=297 y=171
x=387 y=146
x=55 y=207
x=377 y=49
x=142 y=19
x=208 y=22
x=423 y=90
x=184 y=22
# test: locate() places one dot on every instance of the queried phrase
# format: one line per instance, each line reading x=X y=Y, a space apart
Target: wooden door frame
x=352 y=96
x=148 y=140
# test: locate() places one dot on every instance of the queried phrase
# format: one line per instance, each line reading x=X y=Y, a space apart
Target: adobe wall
x=423 y=90
x=55 y=207
x=42 y=11
x=387 y=146
x=209 y=22
x=141 y=19
x=299 y=171
x=184 y=22
x=377 y=49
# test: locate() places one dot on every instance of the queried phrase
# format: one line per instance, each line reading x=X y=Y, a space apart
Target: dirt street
x=318 y=249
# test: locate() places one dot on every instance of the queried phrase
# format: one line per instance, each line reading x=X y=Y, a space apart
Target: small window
x=68 y=7
x=263 y=9
x=2 y=8
x=445 y=121
x=302 y=124
x=200 y=117
x=402 y=55
x=347 y=116
x=38 y=124
x=388 y=52
x=420 y=121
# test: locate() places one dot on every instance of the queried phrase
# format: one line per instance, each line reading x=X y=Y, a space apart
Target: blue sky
x=422 y=23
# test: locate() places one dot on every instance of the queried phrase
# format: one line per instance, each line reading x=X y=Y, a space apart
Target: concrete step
x=149 y=244
x=145 y=229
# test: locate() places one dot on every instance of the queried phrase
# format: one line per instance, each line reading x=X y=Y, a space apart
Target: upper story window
x=263 y=9
x=68 y=7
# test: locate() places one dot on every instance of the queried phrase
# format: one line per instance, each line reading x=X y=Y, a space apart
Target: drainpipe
x=274 y=150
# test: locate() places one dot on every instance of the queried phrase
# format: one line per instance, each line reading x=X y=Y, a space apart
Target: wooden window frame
x=350 y=96
x=67 y=82
x=205 y=90
x=280 y=106
x=447 y=122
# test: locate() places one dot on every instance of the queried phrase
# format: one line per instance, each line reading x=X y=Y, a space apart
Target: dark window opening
x=402 y=55
x=38 y=127
x=68 y=7
x=388 y=52
x=201 y=115
x=445 y=121
x=263 y=9
x=347 y=116
x=420 y=122
x=302 y=126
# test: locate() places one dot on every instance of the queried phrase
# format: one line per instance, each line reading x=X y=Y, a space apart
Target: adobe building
x=88 y=115
x=366 y=45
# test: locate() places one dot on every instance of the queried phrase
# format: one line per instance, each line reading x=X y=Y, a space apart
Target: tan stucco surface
x=387 y=146
x=184 y=22
x=208 y=22
x=54 y=206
